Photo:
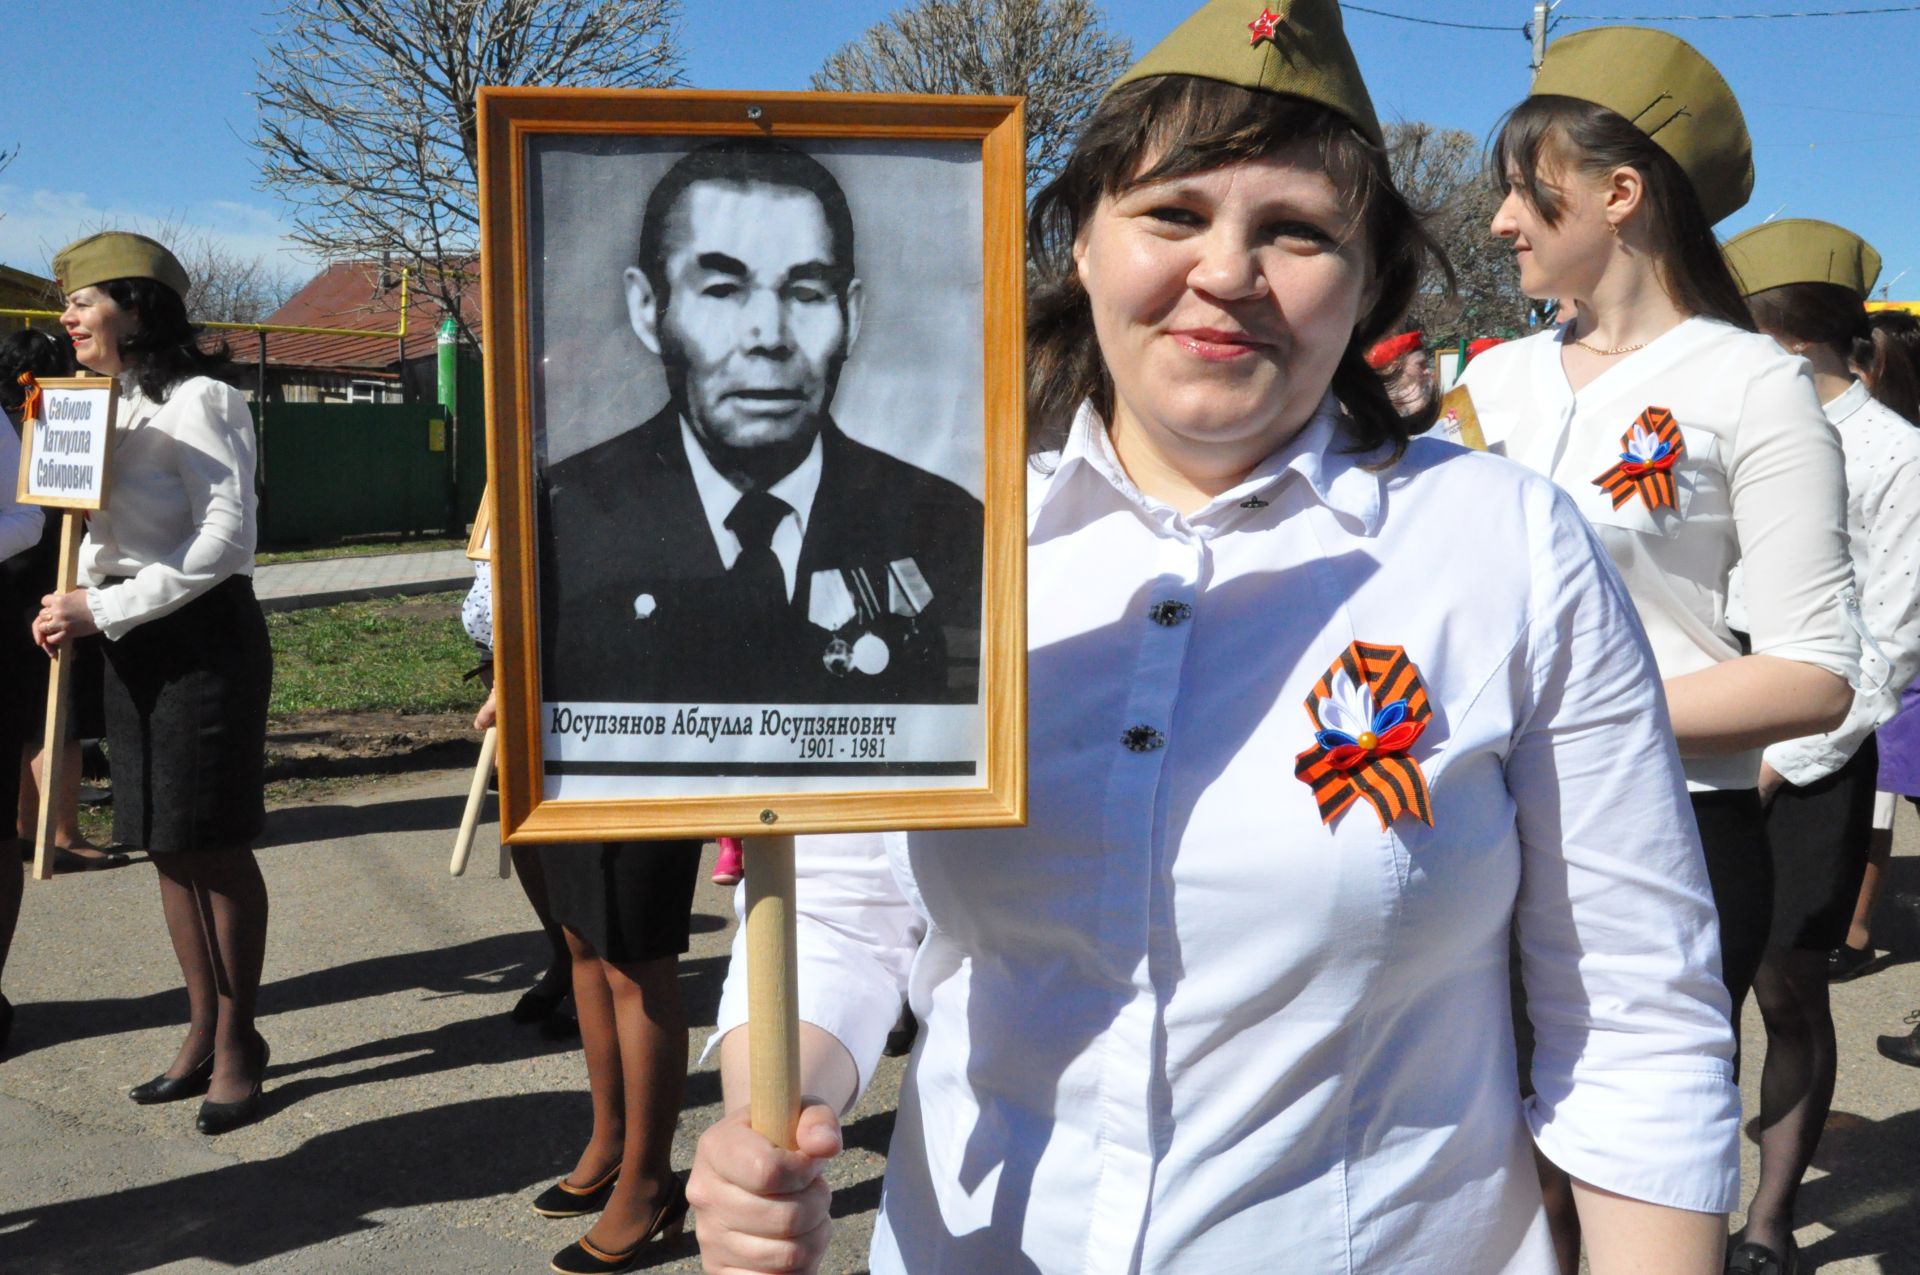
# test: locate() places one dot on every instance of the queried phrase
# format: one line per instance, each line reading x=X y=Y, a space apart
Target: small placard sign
x=64 y=449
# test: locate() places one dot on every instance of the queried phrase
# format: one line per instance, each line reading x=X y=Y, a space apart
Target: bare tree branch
x=1058 y=53
x=368 y=112
x=227 y=286
x=1442 y=172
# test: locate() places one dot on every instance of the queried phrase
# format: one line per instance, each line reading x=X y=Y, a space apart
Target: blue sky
x=152 y=124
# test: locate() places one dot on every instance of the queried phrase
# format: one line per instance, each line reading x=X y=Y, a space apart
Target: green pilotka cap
x=117 y=254
x=1295 y=47
x=1668 y=91
x=1802 y=250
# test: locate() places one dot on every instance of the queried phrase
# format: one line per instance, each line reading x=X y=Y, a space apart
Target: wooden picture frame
x=903 y=162
x=480 y=539
x=54 y=389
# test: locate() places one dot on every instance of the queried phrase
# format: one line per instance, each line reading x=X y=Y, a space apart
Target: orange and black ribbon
x=31 y=404
x=1648 y=475
x=1374 y=766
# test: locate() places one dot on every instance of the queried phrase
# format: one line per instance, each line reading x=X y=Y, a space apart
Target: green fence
x=329 y=471
x=471 y=439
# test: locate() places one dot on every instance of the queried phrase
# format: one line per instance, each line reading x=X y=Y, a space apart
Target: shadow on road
x=301 y=825
x=1872 y=1191
x=327 y=1188
x=484 y=966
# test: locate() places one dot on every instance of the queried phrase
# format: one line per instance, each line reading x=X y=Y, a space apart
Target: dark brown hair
x=1889 y=361
x=44 y=354
x=1817 y=313
x=164 y=347
x=1191 y=125
x=1548 y=132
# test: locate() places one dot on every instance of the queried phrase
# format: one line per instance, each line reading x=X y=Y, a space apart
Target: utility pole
x=1539 y=33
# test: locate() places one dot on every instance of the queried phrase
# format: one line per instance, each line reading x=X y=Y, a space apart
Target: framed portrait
x=755 y=379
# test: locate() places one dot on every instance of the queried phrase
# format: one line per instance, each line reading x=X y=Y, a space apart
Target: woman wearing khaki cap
x=167 y=570
x=1688 y=440
x=1317 y=714
x=1807 y=283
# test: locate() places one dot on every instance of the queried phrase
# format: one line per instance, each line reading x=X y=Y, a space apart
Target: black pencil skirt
x=1818 y=836
x=1733 y=833
x=186 y=709
x=627 y=900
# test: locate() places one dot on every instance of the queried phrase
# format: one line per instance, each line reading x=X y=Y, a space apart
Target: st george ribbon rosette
x=1653 y=446
x=30 y=405
x=1367 y=711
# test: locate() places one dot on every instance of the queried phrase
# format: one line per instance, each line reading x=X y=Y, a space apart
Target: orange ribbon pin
x=1367 y=711
x=31 y=404
x=1653 y=446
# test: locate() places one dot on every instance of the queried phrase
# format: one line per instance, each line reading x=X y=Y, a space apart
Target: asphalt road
x=410 y=1122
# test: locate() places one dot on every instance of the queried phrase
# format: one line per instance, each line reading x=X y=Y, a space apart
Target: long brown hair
x=1547 y=132
x=1889 y=361
x=1191 y=125
x=1817 y=313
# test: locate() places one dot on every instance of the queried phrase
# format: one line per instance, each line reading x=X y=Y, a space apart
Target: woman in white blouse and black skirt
x=1807 y=282
x=167 y=571
x=1690 y=441
x=1317 y=714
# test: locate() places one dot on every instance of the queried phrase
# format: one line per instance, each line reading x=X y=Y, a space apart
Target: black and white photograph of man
x=743 y=543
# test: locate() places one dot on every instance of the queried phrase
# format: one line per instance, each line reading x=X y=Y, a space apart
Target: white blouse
x=1178 y=1023
x=1762 y=479
x=1883 y=528
x=20 y=525
x=181 y=509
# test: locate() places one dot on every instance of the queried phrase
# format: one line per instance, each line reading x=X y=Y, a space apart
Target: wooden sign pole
x=476 y=799
x=773 y=1000
x=53 y=751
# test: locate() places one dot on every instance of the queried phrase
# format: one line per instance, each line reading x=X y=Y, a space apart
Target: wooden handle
x=476 y=799
x=773 y=1019
x=53 y=744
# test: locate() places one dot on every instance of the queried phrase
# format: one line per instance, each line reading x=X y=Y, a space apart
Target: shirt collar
x=1849 y=401
x=1317 y=453
x=718 y=496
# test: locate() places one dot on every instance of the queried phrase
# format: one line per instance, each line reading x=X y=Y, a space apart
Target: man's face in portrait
x=757 y=318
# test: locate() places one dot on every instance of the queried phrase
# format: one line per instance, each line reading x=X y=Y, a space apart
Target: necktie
x=759 y=585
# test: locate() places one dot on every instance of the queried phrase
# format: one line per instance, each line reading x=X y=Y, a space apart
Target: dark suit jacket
x=622 y=532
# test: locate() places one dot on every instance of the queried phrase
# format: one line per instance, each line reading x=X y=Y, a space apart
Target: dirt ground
x=313 y=745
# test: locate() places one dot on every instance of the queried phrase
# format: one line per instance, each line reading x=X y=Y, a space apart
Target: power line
x=1740 y=17
x=1879 y=11
x=1437 y=22
x=1838 y=110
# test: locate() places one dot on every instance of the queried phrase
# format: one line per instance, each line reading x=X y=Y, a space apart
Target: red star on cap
x=1264 y=26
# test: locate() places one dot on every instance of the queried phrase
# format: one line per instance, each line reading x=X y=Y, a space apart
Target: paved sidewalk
x=289 y=586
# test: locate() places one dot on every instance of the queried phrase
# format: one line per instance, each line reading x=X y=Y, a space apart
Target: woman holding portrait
x=1241 y=982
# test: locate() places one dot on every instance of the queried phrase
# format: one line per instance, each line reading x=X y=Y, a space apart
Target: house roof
x=348 y=294
x=20 y=290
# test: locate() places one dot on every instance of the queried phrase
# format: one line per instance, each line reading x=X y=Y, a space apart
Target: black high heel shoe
x=564 y=1199
x=584 y=1258
x=165 y=1088
x=216 y=1118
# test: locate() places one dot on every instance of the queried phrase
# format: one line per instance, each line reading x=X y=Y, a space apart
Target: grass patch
x=393 y=655
x=370 y=548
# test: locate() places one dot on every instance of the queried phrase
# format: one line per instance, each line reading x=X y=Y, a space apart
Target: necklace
x=1618 y=349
